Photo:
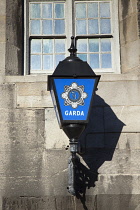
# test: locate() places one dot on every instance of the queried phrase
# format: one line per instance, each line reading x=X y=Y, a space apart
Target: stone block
x=128 y=53
x=49 y=202
x=118 y=184
x=55 y=137
x=3 y=28
x=7 y=96
x=129 y=29
x=3 y=7
x=122 y=141
x=118 y=93
x=33 y=95
x=2 y=55
x=125 y=119
x=118 y=202
x=21 y=128
x=122 y=162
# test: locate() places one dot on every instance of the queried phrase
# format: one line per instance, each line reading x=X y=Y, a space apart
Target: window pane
x=47 y=26
x=106 y=60
x=59 y=45
x=82 y=45
x=47 y=10
x=92 y=10
x=59 y=26
x=105 y=26
x=35 y=26
x=81 y=26
x=47 y=62
x=104 y=10
x=35 y=62
x=35 y=11
x=93 y=27
x=105 y=45
x=59 y=10
x=93 y=45
x=94 y=61
x=59 y=58
x=81 y=10
x=82 y=57
x=47 y=46
x=35 y=46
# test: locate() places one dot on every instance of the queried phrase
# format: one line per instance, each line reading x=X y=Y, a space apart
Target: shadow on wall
x=98 y=143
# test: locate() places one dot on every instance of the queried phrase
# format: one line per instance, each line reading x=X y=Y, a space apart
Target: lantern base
x=73 y=131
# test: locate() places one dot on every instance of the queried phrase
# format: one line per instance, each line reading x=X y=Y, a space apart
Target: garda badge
x=74 y=95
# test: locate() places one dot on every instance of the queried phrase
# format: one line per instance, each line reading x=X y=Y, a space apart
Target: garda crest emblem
x=74 y=95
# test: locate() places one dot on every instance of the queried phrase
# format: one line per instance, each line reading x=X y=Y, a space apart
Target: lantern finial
x=72 y=48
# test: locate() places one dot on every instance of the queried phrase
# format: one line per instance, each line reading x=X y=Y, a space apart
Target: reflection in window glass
x=105 y=45
x=93 y=27
x=35 y=46
x=104 y=10
x=47 y=10
x=47 y=46
x=46 y=53
x=83 y=57
x=105 y=26
x=59 y=27
x=35 y=11
x=81 y=10
x=47 y=19
x=93 y=45
x=106 y=61
x=81 y=27
x=59 y=46
x=35 y=27
x=35 y=62
x=59 y=10
x=47 y=27
x=59 y=58
x=82 y=45
x=94 y=61
x=47 y=62
x=92 y=10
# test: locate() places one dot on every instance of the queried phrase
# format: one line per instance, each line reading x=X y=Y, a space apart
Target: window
x=50 y=24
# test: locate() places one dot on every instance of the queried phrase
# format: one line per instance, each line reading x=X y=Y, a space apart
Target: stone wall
x=34 y=169
x=33 y=155
x=129 y=36
x=14 y=37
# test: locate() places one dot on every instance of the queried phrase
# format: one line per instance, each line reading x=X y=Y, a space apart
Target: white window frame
x=70 y=30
